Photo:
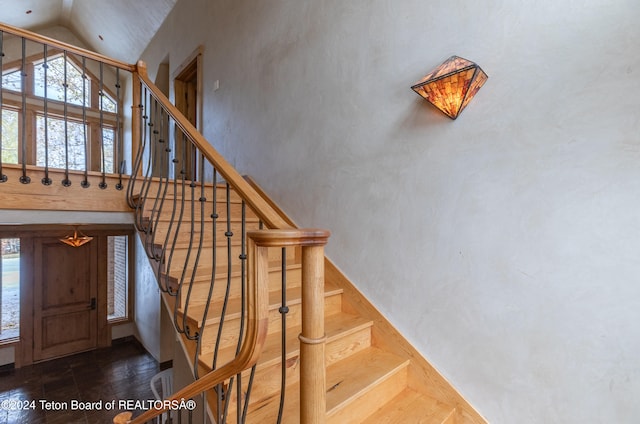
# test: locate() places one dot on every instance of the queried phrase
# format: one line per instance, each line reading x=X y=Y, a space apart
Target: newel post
x=313 y=405
x=136 y=116
x=313 y=383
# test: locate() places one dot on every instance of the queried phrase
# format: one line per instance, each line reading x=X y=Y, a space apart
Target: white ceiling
x=125 y=26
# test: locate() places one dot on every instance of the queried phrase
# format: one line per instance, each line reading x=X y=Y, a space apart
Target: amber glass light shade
x=76 y=240
x=451 y=86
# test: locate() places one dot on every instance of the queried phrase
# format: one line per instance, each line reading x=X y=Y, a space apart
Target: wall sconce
x=451 y=86
x=76 y=240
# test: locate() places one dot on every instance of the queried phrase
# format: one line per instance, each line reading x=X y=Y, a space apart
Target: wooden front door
x=65 y=291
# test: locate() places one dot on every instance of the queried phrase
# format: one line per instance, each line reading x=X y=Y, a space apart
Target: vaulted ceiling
x=117 y=28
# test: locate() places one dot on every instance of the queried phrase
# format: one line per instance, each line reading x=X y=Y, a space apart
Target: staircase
x=371 y=376
x=238 y=296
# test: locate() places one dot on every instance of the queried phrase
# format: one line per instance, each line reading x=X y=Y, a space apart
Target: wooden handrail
x=228 y=172
x=312 y=242
x=313 y=385
x=66 y=46
x=257 y=328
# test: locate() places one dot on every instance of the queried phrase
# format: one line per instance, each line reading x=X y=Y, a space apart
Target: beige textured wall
x=504 y=244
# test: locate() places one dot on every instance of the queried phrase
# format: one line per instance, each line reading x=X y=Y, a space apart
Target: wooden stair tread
x=347 y=380
x=336 y=325
x=366 y=383
x=412 y=407
x=294 y=296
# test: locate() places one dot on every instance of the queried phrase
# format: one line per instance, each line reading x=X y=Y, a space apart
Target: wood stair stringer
x=382 y=378
x=346 y=335
x=424 y=378
x=370 y=372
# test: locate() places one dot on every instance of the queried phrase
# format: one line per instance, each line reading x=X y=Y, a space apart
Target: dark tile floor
x=119 y=373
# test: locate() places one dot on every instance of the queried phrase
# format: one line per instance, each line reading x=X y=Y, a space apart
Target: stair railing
x=185 y=195
x=182 y=190
x=313 y=384
x=61 y=112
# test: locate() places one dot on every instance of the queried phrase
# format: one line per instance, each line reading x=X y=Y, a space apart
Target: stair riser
x=179 y=256
x=183 y=231
x=157 y=190
x=367 y=403
x=200 y=289
x=185 y=240
x=231 y=327
x=169 y=209
x=267 y=380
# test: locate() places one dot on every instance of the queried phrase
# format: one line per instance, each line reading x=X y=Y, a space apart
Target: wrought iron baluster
x=154 y=152
x=243 y=306
x=228 y=234
x=103 y=183
x=181 y=328
x=148 y=224
x=205 y=313
x=192 y=230
x=45 y=67
x=245 y=409
x=3 y=177
x=157 y=157
x=66 y=182
x=150 y=202
x=117 y=136
x=173 y=240
x=24 y=179
x=146 y=173
x=85 y=182
x=165 y=164
x=284 y=310
x=218 y=389
x=161 y=195
x=135 y=170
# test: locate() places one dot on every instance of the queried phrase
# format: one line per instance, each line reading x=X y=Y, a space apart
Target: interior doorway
x=188 y=100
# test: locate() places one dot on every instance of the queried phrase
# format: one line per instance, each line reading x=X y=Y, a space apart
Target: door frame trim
x=195 y=56
x=27 y=233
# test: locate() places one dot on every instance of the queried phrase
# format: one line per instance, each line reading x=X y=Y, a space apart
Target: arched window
x=71 y=115
x=57 y=77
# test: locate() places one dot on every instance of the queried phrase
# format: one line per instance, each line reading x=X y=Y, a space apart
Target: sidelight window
x=118 y=278
x=10 y=288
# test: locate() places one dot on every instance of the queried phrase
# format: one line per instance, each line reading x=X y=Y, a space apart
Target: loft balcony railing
x=71 y=115
x=62 y=111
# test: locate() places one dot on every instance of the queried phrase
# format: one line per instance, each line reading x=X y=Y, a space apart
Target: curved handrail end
x=290 y=237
